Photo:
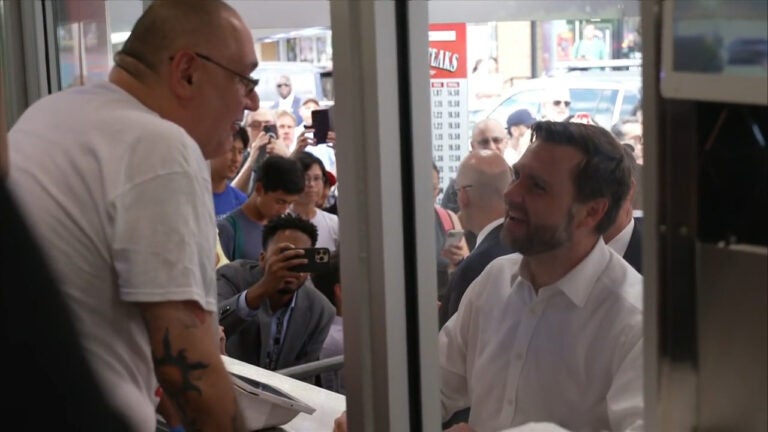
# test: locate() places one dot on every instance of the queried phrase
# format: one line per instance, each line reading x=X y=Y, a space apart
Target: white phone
x=452 y=237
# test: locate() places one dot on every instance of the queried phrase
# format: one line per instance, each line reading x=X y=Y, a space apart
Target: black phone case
x=321 y=123
x=318 y=260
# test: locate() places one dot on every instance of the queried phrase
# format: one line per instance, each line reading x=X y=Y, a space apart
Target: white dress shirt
x=484 y=232
x=621 y=241
x=571 y=355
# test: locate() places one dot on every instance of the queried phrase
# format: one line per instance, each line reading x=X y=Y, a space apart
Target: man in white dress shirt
x=554 y=333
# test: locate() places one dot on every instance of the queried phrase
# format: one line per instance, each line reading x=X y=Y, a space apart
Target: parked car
x=308 y=81
x=606 y=96
x=748 y=51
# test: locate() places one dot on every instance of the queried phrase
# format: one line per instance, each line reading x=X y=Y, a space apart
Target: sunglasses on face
x=557 y=103
x=487 y=141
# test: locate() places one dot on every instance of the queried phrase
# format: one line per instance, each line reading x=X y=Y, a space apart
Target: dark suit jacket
x=469 y=269
x=634 y=253
x=295 y=106
x=307 y=328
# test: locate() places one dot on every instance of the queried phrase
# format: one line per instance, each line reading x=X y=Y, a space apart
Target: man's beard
x=540 y=238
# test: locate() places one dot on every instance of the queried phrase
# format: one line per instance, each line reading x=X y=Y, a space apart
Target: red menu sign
x=448 y=51
x=448 y=89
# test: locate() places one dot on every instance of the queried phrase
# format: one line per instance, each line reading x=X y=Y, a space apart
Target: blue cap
x=520 y=117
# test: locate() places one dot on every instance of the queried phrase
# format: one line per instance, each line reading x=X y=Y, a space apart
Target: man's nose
x=252 y=101
x=512 y=194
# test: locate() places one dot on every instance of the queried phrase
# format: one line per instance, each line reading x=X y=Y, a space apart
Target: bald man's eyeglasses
x=487 y=141
x=558 y=102
x=248 y=83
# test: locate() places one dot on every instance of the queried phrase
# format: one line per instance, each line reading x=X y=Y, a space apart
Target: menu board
x=448 y=85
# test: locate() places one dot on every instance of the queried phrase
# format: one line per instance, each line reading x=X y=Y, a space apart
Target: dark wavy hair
x=280 y=173
x=605 y=171
x=242 y=135
x=287 y=222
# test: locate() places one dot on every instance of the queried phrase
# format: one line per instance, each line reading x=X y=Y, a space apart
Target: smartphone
x=322 y=123
x=453 y=237
x=270 y=129
x=318 y=259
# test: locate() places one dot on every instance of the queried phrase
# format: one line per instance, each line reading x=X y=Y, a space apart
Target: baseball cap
x=331 y=178
x=520 y=117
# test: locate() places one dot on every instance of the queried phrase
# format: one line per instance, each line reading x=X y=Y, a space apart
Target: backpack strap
x=445 y=218
x=237 y=237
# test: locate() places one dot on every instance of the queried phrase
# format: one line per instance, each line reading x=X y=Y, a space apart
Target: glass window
x=530 y=99
x=88 y=34
x=599 y=103
x=628 y=103
x=305 y=81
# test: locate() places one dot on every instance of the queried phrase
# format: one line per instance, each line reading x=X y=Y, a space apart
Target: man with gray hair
x=556 y=103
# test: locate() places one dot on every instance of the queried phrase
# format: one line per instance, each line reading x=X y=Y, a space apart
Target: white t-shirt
x=570 y=355
x=327 y=229
x=120 y=202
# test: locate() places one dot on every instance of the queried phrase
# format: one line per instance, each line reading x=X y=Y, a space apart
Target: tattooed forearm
x=179 y=366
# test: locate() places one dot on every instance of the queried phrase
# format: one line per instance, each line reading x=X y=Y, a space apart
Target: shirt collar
x=621 y=241
x=288 y=308
x=578 y=283
x=484 y=232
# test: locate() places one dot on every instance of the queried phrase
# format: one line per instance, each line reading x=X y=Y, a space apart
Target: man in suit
x=272 y=317
x=626 y=234
x=480 y=183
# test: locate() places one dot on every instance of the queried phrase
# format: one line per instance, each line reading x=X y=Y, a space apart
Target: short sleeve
x=164 y=239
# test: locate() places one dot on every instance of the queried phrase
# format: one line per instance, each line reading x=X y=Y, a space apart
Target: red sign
x=447 y=51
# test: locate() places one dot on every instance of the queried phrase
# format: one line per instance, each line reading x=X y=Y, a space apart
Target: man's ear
x=258 y=189
x=591 y=213
x=182 y=73
x=632 y=189
x=463 y=199
x=262 y=258
x=337 y=290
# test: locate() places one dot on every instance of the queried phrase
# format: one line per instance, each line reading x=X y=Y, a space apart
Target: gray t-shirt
x=240 y=236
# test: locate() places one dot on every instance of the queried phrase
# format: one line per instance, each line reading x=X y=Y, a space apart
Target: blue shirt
x=231 y=199
x=277 y=328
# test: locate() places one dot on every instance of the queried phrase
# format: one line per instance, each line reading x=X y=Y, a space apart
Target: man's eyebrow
x=535 y=177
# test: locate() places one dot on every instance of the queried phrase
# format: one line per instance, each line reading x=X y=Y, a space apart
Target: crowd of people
x=167 y=262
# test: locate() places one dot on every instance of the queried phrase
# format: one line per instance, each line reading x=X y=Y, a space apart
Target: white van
x=308 y=81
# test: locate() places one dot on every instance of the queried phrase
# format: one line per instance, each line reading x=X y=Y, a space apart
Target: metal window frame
x=368 y=59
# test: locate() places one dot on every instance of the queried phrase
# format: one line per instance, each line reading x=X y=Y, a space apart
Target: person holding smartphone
x=258 y=124
x=268 y=297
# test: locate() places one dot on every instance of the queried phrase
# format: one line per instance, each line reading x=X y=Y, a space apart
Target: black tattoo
x=185 y=369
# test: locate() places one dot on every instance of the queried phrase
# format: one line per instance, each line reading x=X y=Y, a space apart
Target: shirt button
x=532 y=311
x=519 y=357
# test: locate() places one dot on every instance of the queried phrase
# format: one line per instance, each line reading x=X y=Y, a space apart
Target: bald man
x=487 y=134
x=118 y=192
x=480 y=182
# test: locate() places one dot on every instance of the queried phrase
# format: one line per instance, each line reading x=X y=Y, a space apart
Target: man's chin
x=287 y=290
